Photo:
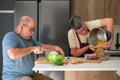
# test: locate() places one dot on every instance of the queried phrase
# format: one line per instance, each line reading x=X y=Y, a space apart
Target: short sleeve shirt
x=15 y=68
x=72 y=37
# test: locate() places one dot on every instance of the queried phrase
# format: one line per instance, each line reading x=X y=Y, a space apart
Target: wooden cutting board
x=92 y=61
x=42 y=60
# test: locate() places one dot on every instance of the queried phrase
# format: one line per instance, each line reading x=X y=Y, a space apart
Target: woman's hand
x=106 y=45
x=93 y=48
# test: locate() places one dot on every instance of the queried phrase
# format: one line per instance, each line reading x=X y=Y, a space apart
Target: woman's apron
x=83 y=45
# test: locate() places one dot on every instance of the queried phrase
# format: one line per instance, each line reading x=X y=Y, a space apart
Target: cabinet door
x=91 y=75
x=88 y=9
x=70 y=75
x=88 y=75
x=79 y=7
x=112 y=9
x=97 y=75
x=7 y=4
x=96 y=9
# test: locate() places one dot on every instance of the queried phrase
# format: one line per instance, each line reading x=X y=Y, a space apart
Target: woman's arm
x=108 y=22
x=80 y=51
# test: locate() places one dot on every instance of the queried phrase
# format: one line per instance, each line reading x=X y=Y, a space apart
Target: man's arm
x=15 y=53
x=52 y=47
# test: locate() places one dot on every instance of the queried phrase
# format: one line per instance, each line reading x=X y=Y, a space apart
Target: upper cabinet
x=112 y=9
x=7 y=4
x=95 y=9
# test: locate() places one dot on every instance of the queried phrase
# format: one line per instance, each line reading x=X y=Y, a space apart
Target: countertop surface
x=112 y=64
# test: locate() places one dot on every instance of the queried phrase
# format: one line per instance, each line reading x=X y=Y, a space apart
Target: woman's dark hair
x=76 y=22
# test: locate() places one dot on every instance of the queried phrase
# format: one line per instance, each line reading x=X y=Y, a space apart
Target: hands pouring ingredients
x=93 y=48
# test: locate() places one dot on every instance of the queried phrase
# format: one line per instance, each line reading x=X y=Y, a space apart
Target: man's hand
x=38 y=50
x=59 y=50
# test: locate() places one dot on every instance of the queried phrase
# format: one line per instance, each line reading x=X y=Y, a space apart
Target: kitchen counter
x=112 y=64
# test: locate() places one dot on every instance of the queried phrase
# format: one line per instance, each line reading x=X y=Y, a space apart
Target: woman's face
x=83 y=30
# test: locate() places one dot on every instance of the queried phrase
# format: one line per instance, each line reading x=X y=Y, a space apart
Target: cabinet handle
x=6 y=11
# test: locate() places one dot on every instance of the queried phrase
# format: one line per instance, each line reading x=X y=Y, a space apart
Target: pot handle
x=108 y=35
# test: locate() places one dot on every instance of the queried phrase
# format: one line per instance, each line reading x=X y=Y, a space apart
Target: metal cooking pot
x=98 y=34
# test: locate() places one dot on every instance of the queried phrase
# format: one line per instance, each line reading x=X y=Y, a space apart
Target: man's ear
x=21 y=24
x=20 y=28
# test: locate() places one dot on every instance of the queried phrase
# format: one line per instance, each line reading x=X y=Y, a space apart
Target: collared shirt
x=15 y=68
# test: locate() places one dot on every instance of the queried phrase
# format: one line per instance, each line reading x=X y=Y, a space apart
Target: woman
x=79 y=32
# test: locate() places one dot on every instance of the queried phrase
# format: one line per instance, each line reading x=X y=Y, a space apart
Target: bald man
x=18 y=51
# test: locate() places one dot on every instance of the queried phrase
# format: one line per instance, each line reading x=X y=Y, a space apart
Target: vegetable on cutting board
x=55 y=58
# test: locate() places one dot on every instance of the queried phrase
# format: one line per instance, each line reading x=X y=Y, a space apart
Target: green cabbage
x=55 y=58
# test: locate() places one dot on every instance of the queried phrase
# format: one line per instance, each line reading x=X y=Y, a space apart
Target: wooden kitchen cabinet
x=112 y=9
x=95 y=9
x=91 y=75
x=70 y=75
